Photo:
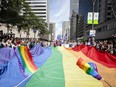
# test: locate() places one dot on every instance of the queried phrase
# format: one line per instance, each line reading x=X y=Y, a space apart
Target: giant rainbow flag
x=57 y=68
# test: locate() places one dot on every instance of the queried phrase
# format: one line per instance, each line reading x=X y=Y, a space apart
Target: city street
x=57 y=43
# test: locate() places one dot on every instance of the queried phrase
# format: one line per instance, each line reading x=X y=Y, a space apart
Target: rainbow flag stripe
x=57 y=68
x=27 y=61
x=60 y=70
x=90 y=68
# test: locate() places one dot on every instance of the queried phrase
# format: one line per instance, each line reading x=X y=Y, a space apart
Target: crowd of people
x=103 y=45
x=30 y=42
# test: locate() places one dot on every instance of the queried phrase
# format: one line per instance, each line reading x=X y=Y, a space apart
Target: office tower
x=65 y=27
x=73 y=26
x=74 y=6
x=40 y=8
x=52 y=31
x=81 y=27
x=74 y=9
x=85 y=6
x=107 y=12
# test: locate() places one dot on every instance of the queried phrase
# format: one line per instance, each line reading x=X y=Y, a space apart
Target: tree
x=10 y=14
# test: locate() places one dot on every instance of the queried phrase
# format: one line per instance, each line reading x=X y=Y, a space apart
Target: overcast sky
x=59 y=12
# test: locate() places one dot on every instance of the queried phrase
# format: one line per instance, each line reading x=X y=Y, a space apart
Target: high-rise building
x=104 y=7
x=74 y=9
x=73 y=26
x=74 y=6
x=81 y=27
x=52 y=31
x=85 y=6
x=107 y=13
x=65 y=27
x=40 y=8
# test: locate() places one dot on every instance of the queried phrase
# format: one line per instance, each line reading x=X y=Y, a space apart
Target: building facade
x=73 y=26
x=74 y=6
x=114 y=8
x=65 y=27
x=40 y=8
x=85 y=6
x=52 y=31
x=107 y=14
x=106 y=9
x=81 y=27
x=74 y=9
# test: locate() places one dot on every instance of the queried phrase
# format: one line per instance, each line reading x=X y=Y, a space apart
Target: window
x=38 y=9
x=109 y=8
x=39 y=6
x=36 y=2
x=109 y=13
x=39 y=12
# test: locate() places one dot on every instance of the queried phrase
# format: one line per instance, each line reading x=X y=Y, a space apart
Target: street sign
x=92 y=33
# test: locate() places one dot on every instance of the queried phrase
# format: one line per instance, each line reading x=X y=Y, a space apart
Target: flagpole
x=106 y=82
x=25 y=79
x=93 y=17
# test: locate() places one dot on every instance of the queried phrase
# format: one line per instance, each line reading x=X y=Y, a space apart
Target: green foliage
x=10 y=11
x=82 y=39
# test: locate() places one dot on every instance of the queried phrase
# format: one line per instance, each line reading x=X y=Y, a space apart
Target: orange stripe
x=29 y=58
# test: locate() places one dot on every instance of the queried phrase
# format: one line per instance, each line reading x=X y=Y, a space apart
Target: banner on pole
x=96 y=16
x=91 y=17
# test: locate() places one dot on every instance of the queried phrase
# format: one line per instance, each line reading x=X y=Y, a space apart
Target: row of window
x=38 y=6
x=104 y=28
x=37 y=10
x=36 y=2
x=107 y=27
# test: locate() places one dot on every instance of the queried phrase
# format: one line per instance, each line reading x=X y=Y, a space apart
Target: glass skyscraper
x=85 y=6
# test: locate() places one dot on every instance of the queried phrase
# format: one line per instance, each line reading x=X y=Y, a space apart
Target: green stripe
x=51 y=74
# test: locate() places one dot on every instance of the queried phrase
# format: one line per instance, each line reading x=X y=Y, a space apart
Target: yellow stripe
x=26 y=62
x=86 y=67
x=74 y=76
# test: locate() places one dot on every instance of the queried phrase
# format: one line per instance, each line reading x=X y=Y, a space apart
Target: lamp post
x=93 y=14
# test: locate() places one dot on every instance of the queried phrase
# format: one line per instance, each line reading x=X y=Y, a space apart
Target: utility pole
x=93 y=14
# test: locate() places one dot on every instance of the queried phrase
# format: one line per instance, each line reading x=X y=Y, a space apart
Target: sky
x=59 y=12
